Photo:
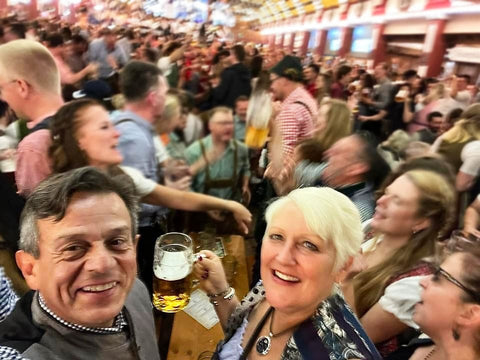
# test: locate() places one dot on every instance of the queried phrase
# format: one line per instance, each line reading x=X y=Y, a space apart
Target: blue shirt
x=98 y=53
x=138 y=151
x=239 y=129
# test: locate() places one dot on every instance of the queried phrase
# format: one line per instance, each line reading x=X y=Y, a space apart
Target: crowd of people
x=111 y=136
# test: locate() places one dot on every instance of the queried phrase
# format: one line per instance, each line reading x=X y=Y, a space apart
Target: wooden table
x=189 y=339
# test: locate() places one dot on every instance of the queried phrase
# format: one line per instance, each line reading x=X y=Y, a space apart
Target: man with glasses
x=30 y=84
x=220 y=164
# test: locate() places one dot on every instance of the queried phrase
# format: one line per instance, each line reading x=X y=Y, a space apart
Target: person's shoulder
x=8 y=353
x=96 y=42
x=194 y=147
x=36 y=140
x=22 y=331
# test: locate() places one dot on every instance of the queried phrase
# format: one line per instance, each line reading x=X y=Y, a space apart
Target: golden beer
x=172 y=280
x=171 y=296
x=255 y=137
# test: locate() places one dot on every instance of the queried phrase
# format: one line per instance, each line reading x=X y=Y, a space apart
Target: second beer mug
x=172 y=268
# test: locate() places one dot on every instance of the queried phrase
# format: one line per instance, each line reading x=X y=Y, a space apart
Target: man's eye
x=73 y=248
x=118 y=243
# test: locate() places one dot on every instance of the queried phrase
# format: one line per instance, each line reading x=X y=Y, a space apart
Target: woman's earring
x=455 y=334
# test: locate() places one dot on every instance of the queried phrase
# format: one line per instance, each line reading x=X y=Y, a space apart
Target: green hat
x=289 y=67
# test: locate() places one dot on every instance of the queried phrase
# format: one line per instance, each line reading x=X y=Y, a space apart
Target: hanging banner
x=329 y=3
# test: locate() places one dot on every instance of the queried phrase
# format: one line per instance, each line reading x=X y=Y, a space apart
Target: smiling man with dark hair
x=78 y=239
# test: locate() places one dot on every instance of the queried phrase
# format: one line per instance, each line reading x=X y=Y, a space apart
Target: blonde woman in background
x=334 y=121
x=465 y=130
x=416 y=208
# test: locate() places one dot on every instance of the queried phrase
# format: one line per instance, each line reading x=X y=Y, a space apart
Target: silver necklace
x=264 y=343
x=117 y=327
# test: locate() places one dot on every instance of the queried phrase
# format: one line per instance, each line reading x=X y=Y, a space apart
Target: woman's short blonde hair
x=172 y=107
x=30 y=61
x=328 y=214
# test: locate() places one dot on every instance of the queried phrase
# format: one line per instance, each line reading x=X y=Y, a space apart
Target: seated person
x=454 y=334
x=415 y=210
x=353 y=167
x=220 y=164
x=296 y=311
x=78 y=239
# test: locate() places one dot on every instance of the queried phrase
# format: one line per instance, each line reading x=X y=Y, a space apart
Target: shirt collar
x=127 y=114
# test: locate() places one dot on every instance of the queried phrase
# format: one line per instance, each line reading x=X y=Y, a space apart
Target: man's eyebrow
x=73 y=235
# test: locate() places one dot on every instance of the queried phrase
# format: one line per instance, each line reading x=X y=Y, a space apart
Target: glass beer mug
x=172 y=269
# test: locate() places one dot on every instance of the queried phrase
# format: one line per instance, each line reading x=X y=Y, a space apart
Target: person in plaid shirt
x=298 y=109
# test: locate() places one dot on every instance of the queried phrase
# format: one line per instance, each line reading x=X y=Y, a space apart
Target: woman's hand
x=209 y=270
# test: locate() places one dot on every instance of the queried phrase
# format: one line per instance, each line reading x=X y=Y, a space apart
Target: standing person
x=219 y=163
x=56 y=46
x=235 y=80
x=144 y=89
x=343 y=76
x=459 y=91
x=78 y=238
x=381 y=99
x=240 y=117
x=30 y=84
x=310 y=73
x=107 y=53
x=298 y=109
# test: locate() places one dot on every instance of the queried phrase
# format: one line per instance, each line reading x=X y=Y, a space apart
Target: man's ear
x=24 y=88
x=357 y=168
x=28 y=264
x=151 y=98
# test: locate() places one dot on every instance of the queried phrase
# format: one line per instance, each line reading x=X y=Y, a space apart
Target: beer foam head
x=174 y=265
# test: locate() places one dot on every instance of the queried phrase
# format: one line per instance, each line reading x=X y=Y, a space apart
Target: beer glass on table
x=172 y=269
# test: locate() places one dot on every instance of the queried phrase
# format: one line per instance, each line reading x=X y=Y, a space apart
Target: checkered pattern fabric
x=296 y=118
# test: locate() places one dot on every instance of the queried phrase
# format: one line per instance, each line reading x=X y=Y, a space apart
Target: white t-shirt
x=143 y=186
x=400 y=297
x=464 y=98
x=161 y=152
x=164 y=64
x=471 y=158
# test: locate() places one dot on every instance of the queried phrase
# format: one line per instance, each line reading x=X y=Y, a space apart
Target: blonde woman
x=465 y=130
x=334 y=121
x=416 y=208
x=295 y=312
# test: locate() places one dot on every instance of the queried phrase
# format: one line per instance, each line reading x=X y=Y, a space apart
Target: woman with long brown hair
x=82 y=135
x=416 y=208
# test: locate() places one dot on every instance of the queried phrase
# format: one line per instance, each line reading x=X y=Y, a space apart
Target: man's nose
x=99 y=260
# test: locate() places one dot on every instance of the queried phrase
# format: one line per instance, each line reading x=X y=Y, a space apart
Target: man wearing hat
x=298 y=109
